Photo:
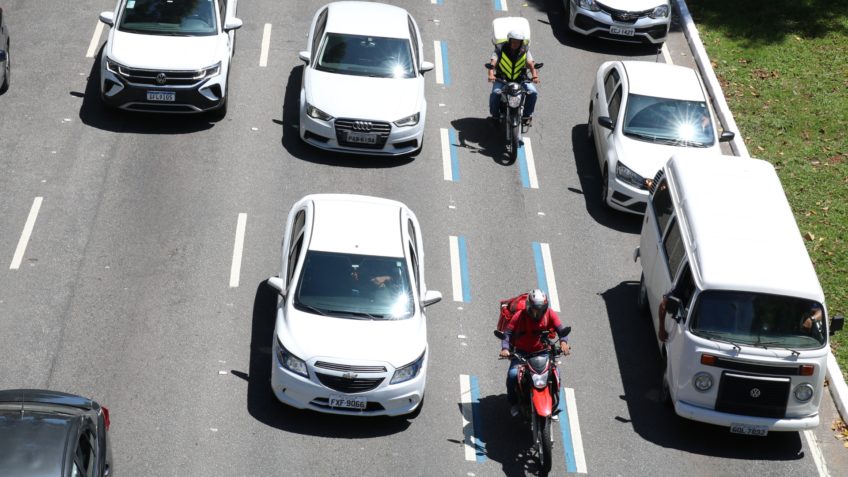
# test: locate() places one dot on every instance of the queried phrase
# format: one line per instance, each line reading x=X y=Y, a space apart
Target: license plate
x=349 y=402
x=748 y=430
x=161 y=96
x=361 y=138
x=622 y=31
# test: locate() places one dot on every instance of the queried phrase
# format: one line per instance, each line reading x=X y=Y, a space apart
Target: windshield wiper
x=766 y=344
x=646 y=137
x=311 y=308
x=362 y=314
x=718 y=337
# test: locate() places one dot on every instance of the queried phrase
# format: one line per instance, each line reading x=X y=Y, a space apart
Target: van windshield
x=759 y=319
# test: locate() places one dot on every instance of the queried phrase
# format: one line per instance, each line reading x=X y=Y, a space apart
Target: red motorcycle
x=538 y=393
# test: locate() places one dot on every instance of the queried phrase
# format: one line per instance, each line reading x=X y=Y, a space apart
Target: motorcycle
x=538 y=393
x=511 y=111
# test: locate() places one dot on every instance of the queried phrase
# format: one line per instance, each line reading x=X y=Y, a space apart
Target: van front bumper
x=710 y=416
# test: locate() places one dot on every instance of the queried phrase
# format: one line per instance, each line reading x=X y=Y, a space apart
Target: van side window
x=673 y=246
x=661 y=202
x=685 y=286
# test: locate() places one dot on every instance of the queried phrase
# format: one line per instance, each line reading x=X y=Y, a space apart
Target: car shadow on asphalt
x=639 y=365
x=589 y=174
x=481 y=136
x=293 y=145
x=264 y=406
x=95 y=114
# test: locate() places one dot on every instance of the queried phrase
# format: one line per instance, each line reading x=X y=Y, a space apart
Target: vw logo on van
x=364 y=126
x=161 y=78
x=755 y=392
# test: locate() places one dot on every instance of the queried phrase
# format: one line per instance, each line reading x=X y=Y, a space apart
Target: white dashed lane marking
x=95 y=40
x=238 y=248
x=266 y=44
x=25 y=235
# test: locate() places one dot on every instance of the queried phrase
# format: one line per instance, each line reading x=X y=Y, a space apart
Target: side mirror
x=277 y=284
x=233 y=24
x=726 y=136
x=672 y=305
x=567 y=331
x=489 y=66
x=108 y=18
x=426 y=66
x=304 y=57
x=606 y=122
x=3 y=56
x=538 y=65
x=836 y=323
x=500 y=335
x=431 y=297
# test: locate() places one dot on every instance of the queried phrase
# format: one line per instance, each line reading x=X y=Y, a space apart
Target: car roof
x=663 y=80
x=356 y=224
x=367 y=18
x=741 y=229
x=35 y=442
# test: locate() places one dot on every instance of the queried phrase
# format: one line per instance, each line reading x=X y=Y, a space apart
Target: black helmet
x=537 y=304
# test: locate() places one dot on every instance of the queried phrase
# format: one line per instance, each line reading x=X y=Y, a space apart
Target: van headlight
x=803 y=392
x=405 y=373
x=316 y=113
x=660 y=12
x=628 y=176
x=290 y=361
x=408 y=121
x=702 y=381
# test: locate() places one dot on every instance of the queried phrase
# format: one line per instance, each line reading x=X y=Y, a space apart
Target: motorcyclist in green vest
x=510 y=61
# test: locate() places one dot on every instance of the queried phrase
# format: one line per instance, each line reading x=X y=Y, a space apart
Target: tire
x=514 y=143
x=8 y=71
x=544 y=443
x=642 y=299
x=590 y=134
x=605 y=188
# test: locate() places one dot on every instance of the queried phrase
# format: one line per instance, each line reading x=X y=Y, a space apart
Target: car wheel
x=642 y=299
x=7 y=71
x=590 y=133
x=605 y=188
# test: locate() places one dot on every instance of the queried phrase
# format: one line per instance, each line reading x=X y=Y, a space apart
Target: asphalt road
x=123 y=293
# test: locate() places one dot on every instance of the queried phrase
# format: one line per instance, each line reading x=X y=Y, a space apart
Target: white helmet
x=515 y=35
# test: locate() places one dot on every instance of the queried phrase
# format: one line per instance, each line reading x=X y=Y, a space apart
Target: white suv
x=168 y=56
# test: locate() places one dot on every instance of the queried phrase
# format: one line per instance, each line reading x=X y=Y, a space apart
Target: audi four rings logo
x=161 y=78
x=364 y=126
x=755 y=392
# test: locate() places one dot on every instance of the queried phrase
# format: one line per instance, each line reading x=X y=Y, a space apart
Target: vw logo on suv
x=755 y=392
x=364 y=126
x=161 y=78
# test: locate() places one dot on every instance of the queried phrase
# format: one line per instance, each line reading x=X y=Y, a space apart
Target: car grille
x=381 y=129
x=623 y=16
x=753 y=395
x=346 y=385
x=350 y=369
x=168 y=78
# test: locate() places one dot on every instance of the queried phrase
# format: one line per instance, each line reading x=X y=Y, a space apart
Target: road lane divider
x=545 y=273
x=569 y=424
x=437 y=2
x=469 y=399
x=500 y=5
x=527 y=166
x=238 y=248
x=450 y=161
x=666 y=54
x=266 y=45
x=95 y=40
x=25 y=235
x=459 y=269
x=442 y=68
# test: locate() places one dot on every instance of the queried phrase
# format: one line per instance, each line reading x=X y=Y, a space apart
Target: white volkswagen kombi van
x=738 y=309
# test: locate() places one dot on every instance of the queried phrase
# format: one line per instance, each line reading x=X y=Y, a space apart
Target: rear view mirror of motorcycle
x=566 y=331
x=538 y=65
x=489 y=66
x=500 y=334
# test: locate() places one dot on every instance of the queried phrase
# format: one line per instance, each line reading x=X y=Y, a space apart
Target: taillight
x=806 y=369
x=105 y=411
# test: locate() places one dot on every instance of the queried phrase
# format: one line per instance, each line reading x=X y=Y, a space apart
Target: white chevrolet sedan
x=351 y=335
x=638 y=21
x=640 y=114
x=363 y=84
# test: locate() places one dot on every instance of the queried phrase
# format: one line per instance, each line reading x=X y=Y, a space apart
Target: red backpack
x=509 y=307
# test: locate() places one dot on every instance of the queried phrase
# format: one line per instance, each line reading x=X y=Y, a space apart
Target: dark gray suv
x=50 y=433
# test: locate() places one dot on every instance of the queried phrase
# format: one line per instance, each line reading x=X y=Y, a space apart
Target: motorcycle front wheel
x=514 y=142
x=544 y=443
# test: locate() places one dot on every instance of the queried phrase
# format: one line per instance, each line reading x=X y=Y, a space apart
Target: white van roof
x=739 y=228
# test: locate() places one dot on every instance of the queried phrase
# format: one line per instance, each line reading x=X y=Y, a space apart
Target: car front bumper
x=325 y=135
x=710 y=416
x=625 y=197
x=204 y=96
x=645 y=29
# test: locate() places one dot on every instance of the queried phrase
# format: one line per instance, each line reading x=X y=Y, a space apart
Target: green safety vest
x=511 y=69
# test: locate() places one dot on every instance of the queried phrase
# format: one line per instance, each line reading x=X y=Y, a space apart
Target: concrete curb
x=838 y=388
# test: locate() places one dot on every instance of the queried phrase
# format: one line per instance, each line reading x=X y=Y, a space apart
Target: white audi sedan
x=640 y=114
x=637 y=21
x=351 y=335
x=363 y=83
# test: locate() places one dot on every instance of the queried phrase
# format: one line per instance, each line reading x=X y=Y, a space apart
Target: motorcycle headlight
x=405 y=373
x=514 y=101
x=627 y=175
x=408 y=121
x=703 y=381
x=316 y=113
x=540 y=380
x=290 y=361
x=588 y=5
x=803 y=392
x=660 y=12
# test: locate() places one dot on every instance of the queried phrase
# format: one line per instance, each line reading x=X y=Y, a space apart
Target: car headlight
x=408 y=121
x=627 y=175
x=660 y=12
x=803 y=392
x=113 y=66
x=290 y=361
x=514 y=101
x=213 y=70
x=405 y=373
x=316 y=113
x=588 y=5
x=703 y=381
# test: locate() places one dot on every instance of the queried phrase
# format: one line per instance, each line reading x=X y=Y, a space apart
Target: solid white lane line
x=456 y=269
x=553 y=296
x=501 y=6
x=446 y=154
x=440 y=74
x=238 y=247
x=467 y=417
x=266 y=43
x=666 y=54
x=24 y=240
x=576 y=438
x=531 y=165
x=818 y=458
x=95 y=40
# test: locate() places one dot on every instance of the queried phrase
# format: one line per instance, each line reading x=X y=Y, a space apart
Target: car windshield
x=169 y=17
x=366 y=56
x=354 y=286
x=668 y=121
x=758 y=319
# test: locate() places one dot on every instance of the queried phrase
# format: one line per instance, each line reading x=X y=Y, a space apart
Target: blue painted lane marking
x=500 y=5
x=454 y=158
x=445 y=66
x=540 y=268
x=522 y=168
x=565 y=427
x=463 y=267
x=480 y=447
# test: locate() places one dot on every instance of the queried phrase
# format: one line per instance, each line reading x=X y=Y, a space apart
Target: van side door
x=658 y=217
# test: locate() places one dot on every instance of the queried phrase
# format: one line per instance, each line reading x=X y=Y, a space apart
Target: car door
x=610 y=106
x=293 y=245
x=670 y=258
x=657 y=218
x=675 y=346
